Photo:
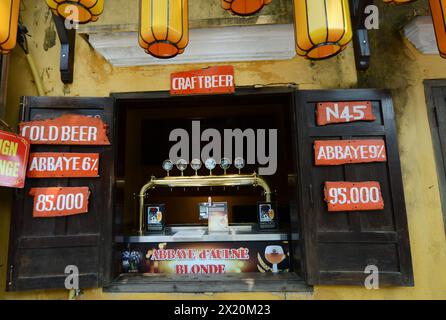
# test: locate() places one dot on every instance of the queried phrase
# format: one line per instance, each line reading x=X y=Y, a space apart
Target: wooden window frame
x=440 y=162
x=4 y=60
x=302 y=237
x=291 y=282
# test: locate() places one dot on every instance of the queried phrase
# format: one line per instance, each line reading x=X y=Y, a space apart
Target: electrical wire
x=23 y=43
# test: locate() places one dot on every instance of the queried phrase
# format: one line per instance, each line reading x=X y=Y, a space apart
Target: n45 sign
x=343 y=112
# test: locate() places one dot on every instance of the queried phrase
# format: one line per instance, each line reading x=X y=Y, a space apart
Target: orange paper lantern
x=398 y=1
x=87 y=10
x=164 y=27
x=322 y=27
x=9 y=18
x=244 y=7
x=438 y=11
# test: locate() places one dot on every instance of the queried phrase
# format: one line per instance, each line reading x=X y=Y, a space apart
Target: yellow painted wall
x=399 y=68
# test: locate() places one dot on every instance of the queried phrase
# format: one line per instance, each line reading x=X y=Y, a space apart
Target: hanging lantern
x=164 y=27
x=398 y=1
x=9 y=19
x=438 y=11
x=87 y=10
x=244 y=7
x=322 y=27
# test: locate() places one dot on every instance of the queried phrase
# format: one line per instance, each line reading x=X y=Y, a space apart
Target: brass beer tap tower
x=225 y=180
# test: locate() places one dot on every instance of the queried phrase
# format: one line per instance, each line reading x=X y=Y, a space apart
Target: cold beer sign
x=14 y=152
x=69 y=129
x=213 y=80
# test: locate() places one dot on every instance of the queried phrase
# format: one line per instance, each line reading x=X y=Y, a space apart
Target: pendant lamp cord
x=22 y=40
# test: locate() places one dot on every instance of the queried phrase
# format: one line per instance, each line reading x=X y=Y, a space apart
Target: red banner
x=353 y=196
x=213 y=80
x=14 y=152
x=337 y=152
x=342 y=112
x=63 y=165
x=59 y=201
x=68 y=129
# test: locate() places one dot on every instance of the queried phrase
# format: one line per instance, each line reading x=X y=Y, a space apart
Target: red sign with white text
x=213 y=80
x=59 y=201
x=63 y=165
x=337 y=152
x=14 y=152
x=343 y=112
x=353 y=196
x=70 y=129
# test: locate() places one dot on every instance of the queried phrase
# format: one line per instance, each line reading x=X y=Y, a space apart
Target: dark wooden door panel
x=41 y=248
x=435 y=91
x=339 y=245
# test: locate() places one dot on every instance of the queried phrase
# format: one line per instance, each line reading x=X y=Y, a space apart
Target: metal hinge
x=11 y=275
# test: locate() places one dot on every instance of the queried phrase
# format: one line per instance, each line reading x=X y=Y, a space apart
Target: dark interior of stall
x=144 y=124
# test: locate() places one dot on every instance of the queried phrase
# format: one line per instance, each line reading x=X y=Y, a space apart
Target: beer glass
x=274 y=255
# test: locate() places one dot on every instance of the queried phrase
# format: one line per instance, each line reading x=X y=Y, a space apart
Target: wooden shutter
x=338 y=246
x=436 y=104
x=41 y=248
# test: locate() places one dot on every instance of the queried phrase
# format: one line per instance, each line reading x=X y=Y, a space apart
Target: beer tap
x=196 y=165
x=211 y=180
x=225 y=163
x=167 y=165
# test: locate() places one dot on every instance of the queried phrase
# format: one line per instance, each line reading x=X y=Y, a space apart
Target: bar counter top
x=240 y=232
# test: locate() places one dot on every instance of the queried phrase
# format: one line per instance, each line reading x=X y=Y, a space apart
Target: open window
x=145 y=123
x=112 y=249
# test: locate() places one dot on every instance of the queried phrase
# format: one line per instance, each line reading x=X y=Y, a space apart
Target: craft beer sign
x=68 y=129
x=63 y=165
x=59 y=201
x=343 y=112
x=338 y=152
x=213 y=80
x=14 y=152
x=353 y=196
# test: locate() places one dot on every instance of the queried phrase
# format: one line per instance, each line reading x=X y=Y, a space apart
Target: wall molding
x=224 y=44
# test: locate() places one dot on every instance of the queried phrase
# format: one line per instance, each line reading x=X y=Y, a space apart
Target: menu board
x=358 y=196
x=336 y=152
x=63 y=165
x=343 y=112
x=349 y=195
x=59 y=201
x=65 y=130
